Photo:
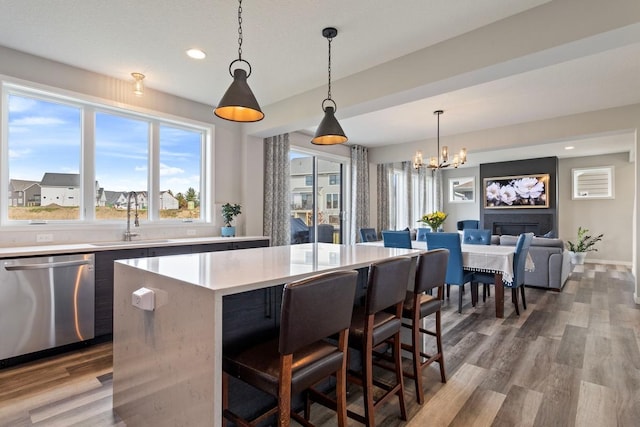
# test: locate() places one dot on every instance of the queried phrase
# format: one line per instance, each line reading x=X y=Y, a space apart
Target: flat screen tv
x=519 y=191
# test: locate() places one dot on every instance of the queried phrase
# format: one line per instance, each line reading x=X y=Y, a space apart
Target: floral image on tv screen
x=523 y=191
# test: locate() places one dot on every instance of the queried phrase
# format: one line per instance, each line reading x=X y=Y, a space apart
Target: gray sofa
x=551 y=260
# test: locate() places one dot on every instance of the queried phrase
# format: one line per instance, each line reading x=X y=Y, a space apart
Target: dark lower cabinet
x=104 y=272
x=104 y=286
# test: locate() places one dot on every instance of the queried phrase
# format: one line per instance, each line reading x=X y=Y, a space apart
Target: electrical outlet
x=43 y=238
x=191 y=232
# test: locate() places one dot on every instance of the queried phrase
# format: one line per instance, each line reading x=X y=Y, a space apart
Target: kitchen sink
x=133 y=242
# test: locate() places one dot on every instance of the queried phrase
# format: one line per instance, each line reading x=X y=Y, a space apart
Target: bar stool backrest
x=432 y=270
x=316 y=308
x=388 y=281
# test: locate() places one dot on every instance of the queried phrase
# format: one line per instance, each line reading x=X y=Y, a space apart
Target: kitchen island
x=167 y=362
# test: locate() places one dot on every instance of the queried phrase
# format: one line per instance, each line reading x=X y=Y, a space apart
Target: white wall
x=612 y=217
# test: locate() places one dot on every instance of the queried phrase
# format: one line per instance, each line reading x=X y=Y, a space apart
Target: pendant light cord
x=329 y=68
x=240 y=30
x=439 y=140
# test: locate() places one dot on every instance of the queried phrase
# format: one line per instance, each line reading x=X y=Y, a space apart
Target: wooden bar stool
x=312 y=309
x=430 y=274
x=377 y=322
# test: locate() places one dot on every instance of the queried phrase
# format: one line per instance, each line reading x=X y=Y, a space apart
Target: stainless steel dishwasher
x=45 y=302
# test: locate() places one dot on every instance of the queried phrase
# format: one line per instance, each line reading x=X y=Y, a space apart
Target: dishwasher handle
x=45 y=265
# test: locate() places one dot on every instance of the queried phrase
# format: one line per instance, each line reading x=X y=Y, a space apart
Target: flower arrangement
x=585 y=242
x=434 y=219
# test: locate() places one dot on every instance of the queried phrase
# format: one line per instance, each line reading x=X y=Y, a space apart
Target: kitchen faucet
x=128 y=234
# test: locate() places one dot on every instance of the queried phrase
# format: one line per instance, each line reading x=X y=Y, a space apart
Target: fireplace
x=516 y=223
x=514 y=228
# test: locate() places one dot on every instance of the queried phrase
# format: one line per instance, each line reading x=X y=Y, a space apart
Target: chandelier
x=443 y=160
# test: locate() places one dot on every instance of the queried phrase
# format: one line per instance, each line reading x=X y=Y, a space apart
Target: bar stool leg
x=367 y=381
x=415 y=342
x=397 y=357
x=443 y=377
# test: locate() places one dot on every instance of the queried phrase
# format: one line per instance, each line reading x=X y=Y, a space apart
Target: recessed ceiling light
x=196 y=53
x=569 y=147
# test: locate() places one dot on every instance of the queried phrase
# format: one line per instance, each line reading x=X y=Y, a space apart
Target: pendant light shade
x=238 y=104
x=329 y=131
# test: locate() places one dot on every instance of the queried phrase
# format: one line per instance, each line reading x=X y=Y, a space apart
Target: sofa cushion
x=537 y=241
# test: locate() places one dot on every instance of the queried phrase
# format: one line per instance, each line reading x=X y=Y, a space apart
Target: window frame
x=89 y=106
x=452 y=198
x=576 y=172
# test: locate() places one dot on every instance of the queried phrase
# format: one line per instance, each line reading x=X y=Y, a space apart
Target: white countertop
x=231 y=272
x=20 y=251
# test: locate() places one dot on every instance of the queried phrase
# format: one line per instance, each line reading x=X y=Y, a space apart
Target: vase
x=228 y=231
x=577 y=258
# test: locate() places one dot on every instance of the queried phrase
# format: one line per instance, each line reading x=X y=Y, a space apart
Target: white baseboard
x=608 y=261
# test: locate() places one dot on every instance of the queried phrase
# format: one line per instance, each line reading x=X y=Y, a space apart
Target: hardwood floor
x=571 y=359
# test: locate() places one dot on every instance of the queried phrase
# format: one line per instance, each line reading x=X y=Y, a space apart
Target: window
x=315 y=202
x=180 y=172
x=333 y=201
x=122 y=159
x=44 y=146
x=462 y=189
x=592 y=183
x=405 y=211
x=70 y=160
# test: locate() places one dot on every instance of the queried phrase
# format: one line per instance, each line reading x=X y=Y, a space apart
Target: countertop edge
x=41 y=250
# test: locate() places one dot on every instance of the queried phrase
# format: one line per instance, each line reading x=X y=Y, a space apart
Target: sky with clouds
x=46 y=137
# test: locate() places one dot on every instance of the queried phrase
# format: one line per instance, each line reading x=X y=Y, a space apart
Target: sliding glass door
x=317 y=199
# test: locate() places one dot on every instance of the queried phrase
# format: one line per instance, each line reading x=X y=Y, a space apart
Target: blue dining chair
x=471 y=236
x=468 y=223
x=368 y=235
x=396 y=239
x=456 y=274
x=519 y=262
x=422 y=233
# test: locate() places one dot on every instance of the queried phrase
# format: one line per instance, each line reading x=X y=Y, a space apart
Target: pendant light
x=238 y=103
x=443 y=160
x=329 y=132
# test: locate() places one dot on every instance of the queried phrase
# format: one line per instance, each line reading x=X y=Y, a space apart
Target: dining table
x=494 y=259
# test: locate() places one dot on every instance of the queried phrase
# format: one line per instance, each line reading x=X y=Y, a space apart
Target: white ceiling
x=283 y=43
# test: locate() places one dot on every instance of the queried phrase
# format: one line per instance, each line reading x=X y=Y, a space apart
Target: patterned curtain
x=407 y=168
x=277 y=209
x=383 y=196
x=437 y=190
x=359 y=191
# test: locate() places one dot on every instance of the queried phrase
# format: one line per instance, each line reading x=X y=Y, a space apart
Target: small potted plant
x=584 y=244
x=229 y=212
